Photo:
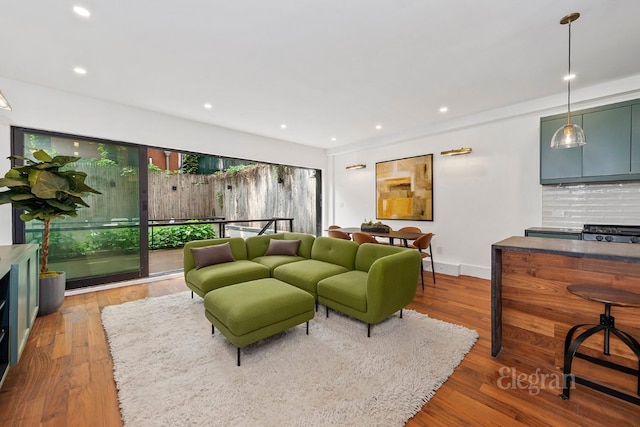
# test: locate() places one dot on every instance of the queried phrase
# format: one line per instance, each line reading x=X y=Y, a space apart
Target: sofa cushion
x=217 y=276
x=238 y=249
x=348 y=289
x=210 y=255
x=335 y=251
x=274 y=261
x=283 y=247
x=257 y=245
x=306 y=274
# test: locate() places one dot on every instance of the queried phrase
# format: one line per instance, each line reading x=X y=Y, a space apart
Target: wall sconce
x=358 y=166
x=4 y=104
x=456 y=152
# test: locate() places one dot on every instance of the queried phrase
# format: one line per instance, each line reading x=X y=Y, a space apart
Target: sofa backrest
x=257 y=245
x=238 y=249
x=368 y=253
x=335 y=251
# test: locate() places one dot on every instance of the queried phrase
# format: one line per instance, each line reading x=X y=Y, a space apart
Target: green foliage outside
x=176 y=236
x=190 y=163
x=65 y=244
x=233 y=170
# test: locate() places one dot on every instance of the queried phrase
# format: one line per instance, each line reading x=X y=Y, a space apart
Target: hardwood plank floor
x=65 y=376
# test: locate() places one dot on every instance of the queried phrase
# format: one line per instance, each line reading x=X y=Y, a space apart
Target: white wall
x=41 y=108
x=480 y=198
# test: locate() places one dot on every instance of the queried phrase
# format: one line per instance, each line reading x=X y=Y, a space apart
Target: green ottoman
x=250 y=311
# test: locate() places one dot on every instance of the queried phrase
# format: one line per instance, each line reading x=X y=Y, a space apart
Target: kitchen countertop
x=578 y=248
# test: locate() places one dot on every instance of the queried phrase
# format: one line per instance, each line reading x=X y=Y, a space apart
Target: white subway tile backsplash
x=575 y=205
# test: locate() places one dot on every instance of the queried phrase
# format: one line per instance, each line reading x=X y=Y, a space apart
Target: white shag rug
x=170 y=370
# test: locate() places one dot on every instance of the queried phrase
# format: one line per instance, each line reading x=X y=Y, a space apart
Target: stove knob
x=599 y=238
x=608 y=238
x=635 y=239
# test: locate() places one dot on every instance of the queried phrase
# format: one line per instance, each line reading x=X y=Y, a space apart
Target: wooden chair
x=339 y=235
x=361 y=238
x=423 y=244
x=411 y=230
x=332 y=227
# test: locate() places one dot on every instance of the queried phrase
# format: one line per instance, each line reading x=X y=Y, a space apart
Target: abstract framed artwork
x=404 y=188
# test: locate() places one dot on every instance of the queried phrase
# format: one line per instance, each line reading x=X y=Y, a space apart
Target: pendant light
x=569 y=135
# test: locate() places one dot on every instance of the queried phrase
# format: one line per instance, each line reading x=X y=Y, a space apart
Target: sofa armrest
x=392 y=283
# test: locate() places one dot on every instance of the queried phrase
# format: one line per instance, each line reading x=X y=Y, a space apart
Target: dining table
x=404 y=236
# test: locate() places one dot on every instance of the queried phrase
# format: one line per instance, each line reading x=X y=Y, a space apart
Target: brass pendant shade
x=570 y=135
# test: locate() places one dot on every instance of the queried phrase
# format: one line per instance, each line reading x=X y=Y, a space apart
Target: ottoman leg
x=238 y=356
x=307 y=328
x=213 y=330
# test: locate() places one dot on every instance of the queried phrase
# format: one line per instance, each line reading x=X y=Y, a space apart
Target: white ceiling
x=326 y=68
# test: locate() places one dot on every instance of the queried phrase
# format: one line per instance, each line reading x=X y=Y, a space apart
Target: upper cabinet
x=612 y=151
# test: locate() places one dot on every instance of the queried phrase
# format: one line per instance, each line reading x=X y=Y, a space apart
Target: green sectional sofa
x=368 y=282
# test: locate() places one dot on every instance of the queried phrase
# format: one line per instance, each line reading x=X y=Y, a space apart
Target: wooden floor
x=65 y=375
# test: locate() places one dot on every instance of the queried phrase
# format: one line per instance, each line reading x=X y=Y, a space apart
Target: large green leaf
x=47 y=184
x=42 y=156
x=14 y=182
x=22 y=197
x=61 y=206
x=63 y=160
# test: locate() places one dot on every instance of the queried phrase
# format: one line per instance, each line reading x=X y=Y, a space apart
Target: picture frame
x=404 y=188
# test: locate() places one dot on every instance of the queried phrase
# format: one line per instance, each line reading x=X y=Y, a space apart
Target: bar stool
x=610 y=297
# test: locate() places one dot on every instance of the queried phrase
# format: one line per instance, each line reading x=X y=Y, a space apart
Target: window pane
x=103 y=239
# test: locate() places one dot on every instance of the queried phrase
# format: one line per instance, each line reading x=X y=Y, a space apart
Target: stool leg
x=570 y=352
x=634 y=346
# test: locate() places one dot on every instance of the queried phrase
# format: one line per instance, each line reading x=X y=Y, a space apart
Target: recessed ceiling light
x=569 y=77
x=283 y=126
x=378 y=127
x=81 y=11
x=208 y=106
x=333 y=139
x=80 y=70
x=444 y=109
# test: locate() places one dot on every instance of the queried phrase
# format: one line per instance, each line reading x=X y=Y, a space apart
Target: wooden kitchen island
x=532 y=309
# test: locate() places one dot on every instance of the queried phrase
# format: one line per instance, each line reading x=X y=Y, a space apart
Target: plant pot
x=375 y=228
x=52 y=292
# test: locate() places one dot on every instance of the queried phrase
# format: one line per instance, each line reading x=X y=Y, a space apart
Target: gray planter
x=52 y=293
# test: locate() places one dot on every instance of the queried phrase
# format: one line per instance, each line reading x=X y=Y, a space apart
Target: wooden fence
x=256 y=192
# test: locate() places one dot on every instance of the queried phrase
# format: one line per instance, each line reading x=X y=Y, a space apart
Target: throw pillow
x=210 y=255
x=283 y=247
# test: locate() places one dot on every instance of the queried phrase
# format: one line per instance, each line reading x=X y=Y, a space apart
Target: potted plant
x=44 y=192
x=376 y=227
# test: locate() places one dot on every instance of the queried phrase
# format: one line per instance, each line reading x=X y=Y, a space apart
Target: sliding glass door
x=107 y=241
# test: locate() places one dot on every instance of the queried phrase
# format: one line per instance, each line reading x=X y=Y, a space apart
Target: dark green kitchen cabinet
x=608 y=147
x=635 y=139
x=611 y=152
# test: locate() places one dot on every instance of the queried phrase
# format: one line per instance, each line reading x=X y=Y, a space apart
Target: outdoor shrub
x=175 y=236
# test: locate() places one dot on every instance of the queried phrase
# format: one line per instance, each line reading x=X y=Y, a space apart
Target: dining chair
x=332 y=227
x=410 y=230
x=339 y=235
x=361 y=238
x=423 y=244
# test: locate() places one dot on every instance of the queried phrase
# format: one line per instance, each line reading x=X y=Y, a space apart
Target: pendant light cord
x=569 y=81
